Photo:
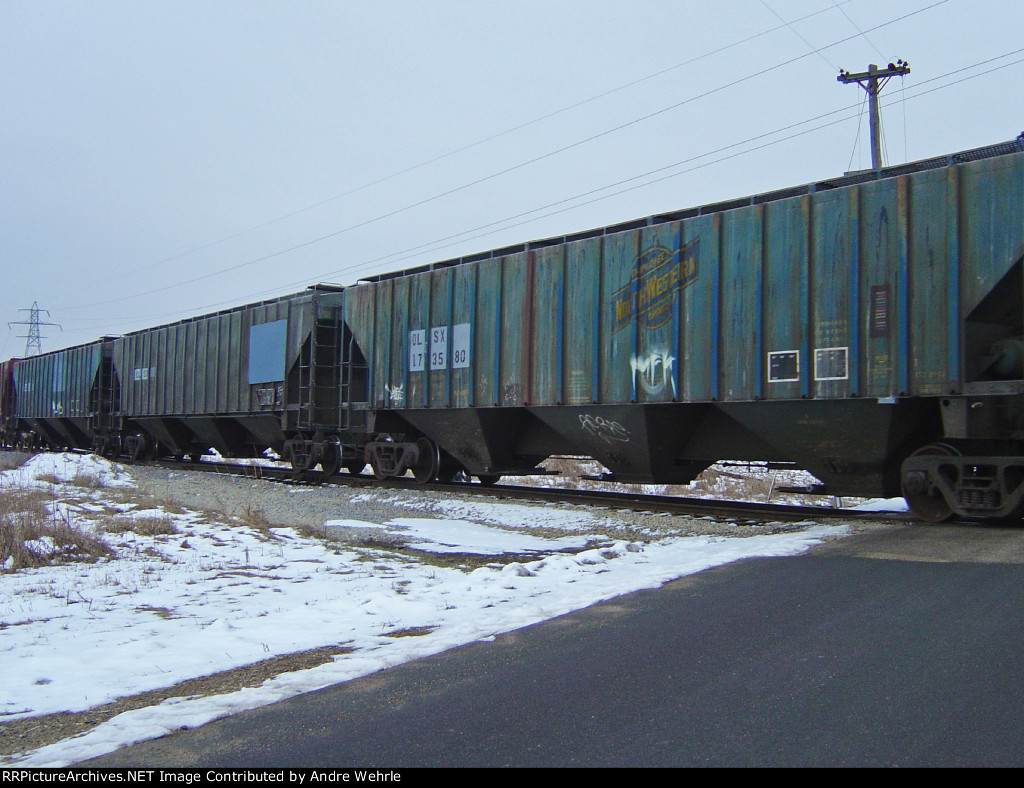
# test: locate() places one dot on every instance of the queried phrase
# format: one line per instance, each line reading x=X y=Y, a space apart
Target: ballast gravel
x=311 y=506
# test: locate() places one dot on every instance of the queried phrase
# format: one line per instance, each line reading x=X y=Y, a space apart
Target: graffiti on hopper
x=396 y=394
x=604 y=429
x=654 y=371
x=658 y=275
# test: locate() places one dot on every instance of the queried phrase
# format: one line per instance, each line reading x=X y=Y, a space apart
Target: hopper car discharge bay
x=868 y=328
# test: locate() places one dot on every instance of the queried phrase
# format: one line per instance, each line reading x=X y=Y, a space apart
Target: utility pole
x=34 y=341
x=873 y=80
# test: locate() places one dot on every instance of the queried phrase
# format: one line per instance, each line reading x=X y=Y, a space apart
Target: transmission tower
x=873 y=80
x=33 y=340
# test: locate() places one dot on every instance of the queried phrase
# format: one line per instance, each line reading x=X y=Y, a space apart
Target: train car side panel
x=515 y=318
x=460 y=331
x=487 y=343
x=785 y=296
x=740 y=299
x=441 y=294
x=547 y=330
x=929 y=281
x=879 y=294
x=659 y=276
x=828 y=360
x=619 y=329
x=700 y=312
x=582 y=321
x=992 y=221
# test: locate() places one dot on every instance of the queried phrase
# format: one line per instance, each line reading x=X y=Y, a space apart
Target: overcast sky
x=164 y=159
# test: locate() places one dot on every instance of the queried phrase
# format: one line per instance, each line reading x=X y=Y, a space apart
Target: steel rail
x=721 y=509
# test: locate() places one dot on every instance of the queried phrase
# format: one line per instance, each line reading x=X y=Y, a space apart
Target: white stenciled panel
x=461 y=343
x=417 y=350
x=439 y=347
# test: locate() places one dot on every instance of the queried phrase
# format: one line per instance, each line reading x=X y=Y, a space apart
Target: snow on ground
x=882 y=505
x=199 y=596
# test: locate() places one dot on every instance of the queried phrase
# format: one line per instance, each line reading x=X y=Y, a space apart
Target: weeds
x=755 y=482
x=28 y=502
x=88 y=481
x=410 y=632
x=31 y=535
x=154 y=525
x=255 y=517
x=714 y=481
x=27 y=540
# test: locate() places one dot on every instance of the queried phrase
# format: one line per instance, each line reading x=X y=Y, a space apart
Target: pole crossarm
x=899 y=68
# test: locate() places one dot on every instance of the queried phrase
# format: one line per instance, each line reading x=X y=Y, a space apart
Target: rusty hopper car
x=257 y=377
x=59 y=398
x=867 y=328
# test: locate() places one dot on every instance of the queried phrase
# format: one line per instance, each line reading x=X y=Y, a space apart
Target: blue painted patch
x=267 y=343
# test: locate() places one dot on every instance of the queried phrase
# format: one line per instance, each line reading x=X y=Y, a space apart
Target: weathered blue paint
x=954 y=363
x=596 y=359
x=836 y=281
x=854 y=289
x=716 y=318
x=560 y=338
x=806 y=329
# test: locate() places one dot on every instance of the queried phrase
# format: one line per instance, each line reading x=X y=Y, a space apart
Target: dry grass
x=757 y=484
x=28 y=540
x=725 y=484
x=254 y=516
x=410 y=632
x=32 y=535
x=88 y=481
x=149 y=525
x=21 y=501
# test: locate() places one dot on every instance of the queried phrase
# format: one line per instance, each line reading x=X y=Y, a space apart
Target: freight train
x=868 y=328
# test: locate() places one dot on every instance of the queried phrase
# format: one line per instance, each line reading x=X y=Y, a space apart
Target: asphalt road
x=899 y=647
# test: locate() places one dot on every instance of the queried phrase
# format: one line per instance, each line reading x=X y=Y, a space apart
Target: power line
x=860 y=123
x=484 y=140
x=690 y=160
x=434 y=245
x=839 y=7
x=797 y=33
x=506 y=171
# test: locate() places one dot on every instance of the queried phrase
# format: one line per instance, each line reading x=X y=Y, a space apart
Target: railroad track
x=741 y=511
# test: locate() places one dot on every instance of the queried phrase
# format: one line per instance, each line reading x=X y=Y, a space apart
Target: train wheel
x=379 y=473
x=140 y=448
x=429 y=462
x=355 y=468
x=112 y=447
x=330 y=459
x=489 y=479
x=924 y=500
